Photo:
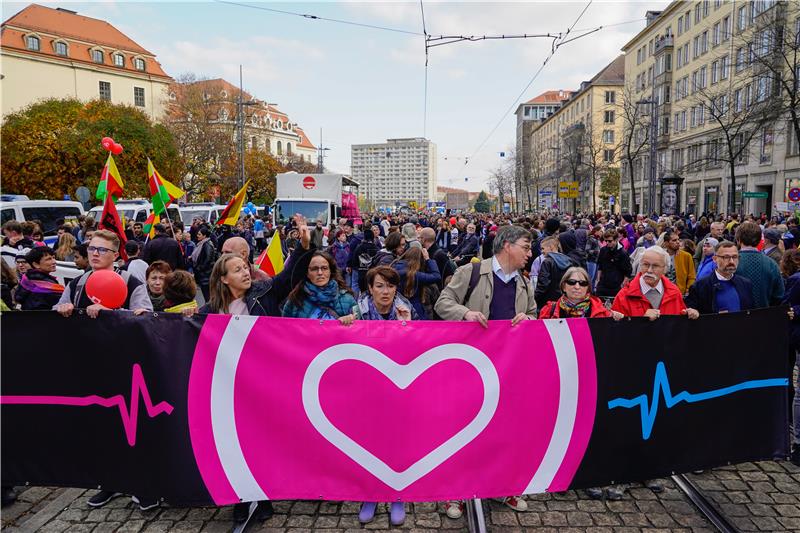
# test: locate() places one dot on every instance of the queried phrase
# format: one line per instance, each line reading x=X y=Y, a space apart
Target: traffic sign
x=764 y=194
x=83 y=194
x=611 y=200
x=309 y=182
x=794 y=194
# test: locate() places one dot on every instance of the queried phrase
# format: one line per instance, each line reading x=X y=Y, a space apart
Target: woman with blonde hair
x=64 y=252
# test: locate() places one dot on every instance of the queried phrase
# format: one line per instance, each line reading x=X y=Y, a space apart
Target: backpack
x=365 y=259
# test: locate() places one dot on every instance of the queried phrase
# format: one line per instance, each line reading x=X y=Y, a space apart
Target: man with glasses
x=613 y=265
x=724 y=291
x=103 y=250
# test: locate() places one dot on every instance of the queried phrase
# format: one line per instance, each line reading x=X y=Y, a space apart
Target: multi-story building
x=578 y=143
x=399 y=170
x=265 y=126
x=57 y=53
x=530 y=115
x=700 y=65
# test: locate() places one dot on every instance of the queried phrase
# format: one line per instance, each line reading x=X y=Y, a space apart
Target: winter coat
x=166 y=249
x=703 y=294
x=632 y=303
x=340 y=253
x=30 y=300
x=548 y=283
x=205 y=262
x=614 y=265
x=421 y=279
x=596 y=309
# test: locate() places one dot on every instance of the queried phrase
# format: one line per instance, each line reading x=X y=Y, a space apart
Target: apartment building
x=578 y=143
x=700 y=62
x=399 y=170
x=57 y=53
x=530 y=116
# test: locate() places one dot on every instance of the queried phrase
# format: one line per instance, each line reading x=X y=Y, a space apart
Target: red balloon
x=107 y=143
x=108 y=288
x=116 y=149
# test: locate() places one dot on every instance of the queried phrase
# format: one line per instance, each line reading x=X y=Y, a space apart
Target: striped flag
x=110 y=181
x=271 y=259
x=230 y=216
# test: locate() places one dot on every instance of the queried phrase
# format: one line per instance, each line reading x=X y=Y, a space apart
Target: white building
x=399 y=170
x=57 y=53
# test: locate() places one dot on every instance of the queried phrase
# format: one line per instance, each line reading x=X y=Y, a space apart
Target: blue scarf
x=375 y=315
x=323 y=298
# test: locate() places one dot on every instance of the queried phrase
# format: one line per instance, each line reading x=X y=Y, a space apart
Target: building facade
x=579 y=143
x=399 y=170
x=265 y=126
x=529 y=116
x=701 y=63
x=57 y=53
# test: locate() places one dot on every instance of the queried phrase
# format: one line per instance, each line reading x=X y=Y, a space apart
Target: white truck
x=315 y=196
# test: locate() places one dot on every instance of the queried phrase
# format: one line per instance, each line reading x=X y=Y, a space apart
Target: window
x=723 y=68
x=726 y=29
x=680 y=25
x=686 y=54
x=119 y=60
x=608 y=136
x=288 y=148
x=608 y=156
x=697 y=13
x=737 y=100
x=704 y=42
x=105 y=90
x=695 y=82
x=693 y=117
x=608 y=117
x=740 y=61
x=714 y=72
x=677 y=124
x=32 y=43
x=705 y=8
x=741 y=18
x=138 y=63
x=683 y=120
x=679 y=57
x=60 y=48
x=696 y=46
x=611 y=97
x=138 y=96
x=97 y=56
x=687 y=21
x=279 y=148
x=701 y=115
x=715 y=35
x=703 y=77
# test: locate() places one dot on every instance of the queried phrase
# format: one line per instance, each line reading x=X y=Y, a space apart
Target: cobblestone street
x=761 y=496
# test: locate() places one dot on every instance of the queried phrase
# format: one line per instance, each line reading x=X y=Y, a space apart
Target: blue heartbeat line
x=661 y=385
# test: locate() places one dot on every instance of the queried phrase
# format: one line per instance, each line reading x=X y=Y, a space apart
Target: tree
x=203 y=134
x=482 y=204
x=573 y=159
x=260 y=168
x=52 y=147
x=596 y=161
x=635 y=135
x=609 y=185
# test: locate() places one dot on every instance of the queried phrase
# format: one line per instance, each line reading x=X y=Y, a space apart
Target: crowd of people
x=426 y=266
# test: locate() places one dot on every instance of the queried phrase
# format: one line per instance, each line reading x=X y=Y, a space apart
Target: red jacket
x=631 y=302
x=596 y=309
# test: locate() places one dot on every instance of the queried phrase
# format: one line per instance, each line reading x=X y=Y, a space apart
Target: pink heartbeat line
x=129 y=416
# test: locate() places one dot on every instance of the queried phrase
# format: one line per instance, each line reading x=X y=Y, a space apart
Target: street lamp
x=651 y=196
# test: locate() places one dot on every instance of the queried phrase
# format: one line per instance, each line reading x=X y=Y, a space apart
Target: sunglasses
x=573 y=282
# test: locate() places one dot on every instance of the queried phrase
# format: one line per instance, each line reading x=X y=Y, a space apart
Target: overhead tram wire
x=557 y=42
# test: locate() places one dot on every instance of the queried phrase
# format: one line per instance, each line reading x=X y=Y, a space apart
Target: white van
x=50 y=213
x=207 y=211
x=136 y=210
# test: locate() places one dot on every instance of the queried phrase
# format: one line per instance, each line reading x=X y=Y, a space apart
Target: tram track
x=706 y=508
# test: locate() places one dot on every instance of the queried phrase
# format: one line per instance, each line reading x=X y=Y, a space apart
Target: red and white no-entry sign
x=309 y=182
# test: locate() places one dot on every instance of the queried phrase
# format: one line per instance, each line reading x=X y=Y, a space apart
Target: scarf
x=180 y=307
x=374 y=314
x=197 y=250
x=570 y=310
x=41 y=286
x=323 y=298
x=157 y=301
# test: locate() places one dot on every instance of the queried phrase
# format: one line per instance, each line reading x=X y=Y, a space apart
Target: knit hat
x=627 y=218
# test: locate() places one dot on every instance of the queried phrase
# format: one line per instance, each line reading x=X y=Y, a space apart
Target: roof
x=652 y=22
x=551 y=97
x=81 y=34
x=612 y=74
x=304 y=141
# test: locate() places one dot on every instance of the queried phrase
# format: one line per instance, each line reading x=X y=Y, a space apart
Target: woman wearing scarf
x=383 y=302
x=38 y=290
x=155 y=275
x=576 y=299
x=340 y=250
x=706 y=265
x=323 y=295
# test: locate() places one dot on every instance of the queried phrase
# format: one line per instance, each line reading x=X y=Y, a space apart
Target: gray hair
x=656 y=249
x=509 y=234
x=409 y=231
x=568 y=274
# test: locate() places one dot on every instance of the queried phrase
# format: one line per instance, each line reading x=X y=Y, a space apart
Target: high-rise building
x=57 y=53
x=399 y=170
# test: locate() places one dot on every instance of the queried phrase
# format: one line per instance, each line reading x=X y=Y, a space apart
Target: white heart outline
x=402 y=376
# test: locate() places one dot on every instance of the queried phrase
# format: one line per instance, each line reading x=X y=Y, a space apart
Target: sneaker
x=397 y=513
x=102 y=498
x=367 y=513
x=264 y=511
x=516 y=503
x=241 y=511
x=9 y=496
x=654 y=485
x=145 y=504
x=595 y=493
x=454 y=509
x=615 y=493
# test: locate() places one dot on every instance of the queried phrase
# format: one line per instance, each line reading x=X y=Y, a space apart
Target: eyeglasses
x=99 y=249
x=573 y=282
x=526 y=248
x=647 y=266
x=323 y=268
x=728 y=257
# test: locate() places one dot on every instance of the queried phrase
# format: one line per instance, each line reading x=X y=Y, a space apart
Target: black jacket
x=205 y=262
x=703 y=293
x=35 y=301
x=548 y=284
x=446 y=266
x=469 y=246
x=165 y=248
x=264 y=298
x=615 y=265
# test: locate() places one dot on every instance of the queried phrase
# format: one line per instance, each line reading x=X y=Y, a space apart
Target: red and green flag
x=110 y=181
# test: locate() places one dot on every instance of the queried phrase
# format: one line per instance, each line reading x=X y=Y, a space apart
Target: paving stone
x=634 y=519
x=754 y=476
x=276 y=520
x=529 y=519
x=305 y=507
x=54 y=526
x=327 y=522
x=760 y=509
x=569 y=495
x=561 y=505
x=349 y=521
x=173 y=513
x=661 y=520
x=70 y=515
x=217 y=526
x=644 y=493
x=97 y=515
x=159 y=526
x=738 y=497
x=425 y=507
x=788 y=510
x=34 y=494
x=597 y=529
x=780 y=497
x=131 y=526
x=381 y=522
x=767 y=523
x=282 y=506
x=789 y=488
x=621 y=506
x=734 y=484
x=458 y=523
x=107 y=527
x=579 y=518
x=731 y=510
x=761 y=497
x=429 y=520
x=80 y=528
x=743 y=523
x=300 y=521
x=328 y=508
x=504 y=518
x=790 y=522
x=591 y=506
x=651 y=507
x=607 y=519
x=200 y=513
x=554 y=518
x=762 y=486
x=187 y=526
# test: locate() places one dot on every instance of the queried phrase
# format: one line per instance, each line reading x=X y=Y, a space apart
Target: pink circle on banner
x=289 y=458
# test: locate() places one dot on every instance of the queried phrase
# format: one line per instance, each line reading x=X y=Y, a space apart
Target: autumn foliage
x=51 y=148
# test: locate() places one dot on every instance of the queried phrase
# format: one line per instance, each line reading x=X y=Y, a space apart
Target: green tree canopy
x=52 y=147
x=482 y=204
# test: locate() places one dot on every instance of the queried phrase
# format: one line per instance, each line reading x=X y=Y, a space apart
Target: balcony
x=663 y=43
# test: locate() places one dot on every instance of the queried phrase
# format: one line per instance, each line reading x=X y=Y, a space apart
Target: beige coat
x=450 y=306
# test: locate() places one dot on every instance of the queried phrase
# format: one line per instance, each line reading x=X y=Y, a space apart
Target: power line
x=317 y=17
x=557 y=42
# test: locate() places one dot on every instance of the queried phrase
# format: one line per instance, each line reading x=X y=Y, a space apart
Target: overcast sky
x=364 y=85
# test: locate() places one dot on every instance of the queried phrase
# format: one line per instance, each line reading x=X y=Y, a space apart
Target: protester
x=81 y=257
x=163 y=247
x=64 y=252
x=724 y=291
x=8 y=284
x=136 y=266
x=707 y=265
x=790 y=268
x=467 y=248
x=409 y=231
x=394 y=246
x=203 y=258
x=323 y=295
x=239 y=246
x=444 y=264
x=419 y=280
x=14 y=242
x=716 y=231
x=681 y=268
x=180 y=291
x=340 y=250
x=772 y=245
x=552 y=269
x=361 y=259
x=38 y=290
x=577 y=300
x=138 y=234
x=155 y=275
x=759 y=269
x=613 y=265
